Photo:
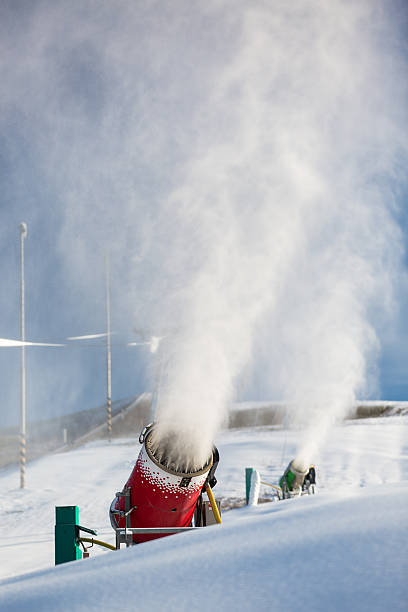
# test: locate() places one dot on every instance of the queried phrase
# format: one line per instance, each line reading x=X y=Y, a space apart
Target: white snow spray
x=238 y=159
x=290 y=227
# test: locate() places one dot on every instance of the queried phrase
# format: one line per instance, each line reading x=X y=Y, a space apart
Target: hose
x=99 y=542
x=271 y=485
x=213 y=503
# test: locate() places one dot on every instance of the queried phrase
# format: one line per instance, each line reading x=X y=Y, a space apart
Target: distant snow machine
x=156 y=496
x=297 y=480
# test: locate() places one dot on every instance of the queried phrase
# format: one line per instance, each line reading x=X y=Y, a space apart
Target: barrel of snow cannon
x=159 y=496
x=293 y=478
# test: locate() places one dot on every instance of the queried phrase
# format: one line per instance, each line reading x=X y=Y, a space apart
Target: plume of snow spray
x=236 y=157
x=292 y=225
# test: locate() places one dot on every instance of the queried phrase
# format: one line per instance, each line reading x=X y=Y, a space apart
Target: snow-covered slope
x=344 y=548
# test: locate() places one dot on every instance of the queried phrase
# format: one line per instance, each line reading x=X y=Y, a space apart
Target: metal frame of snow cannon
x=124 y=534
x=203 y=517
x=309 y=489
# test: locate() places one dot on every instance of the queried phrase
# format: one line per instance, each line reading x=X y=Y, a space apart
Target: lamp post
x=108 y=353
x=23 y=234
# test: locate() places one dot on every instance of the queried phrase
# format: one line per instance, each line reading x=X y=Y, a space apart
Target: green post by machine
x=67 y=540
x=248 y=476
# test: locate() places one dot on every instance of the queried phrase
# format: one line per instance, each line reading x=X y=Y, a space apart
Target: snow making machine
x=297 y=480
x=158 y=500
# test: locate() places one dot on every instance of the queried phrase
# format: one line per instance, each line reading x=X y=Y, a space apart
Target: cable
x=99 y=542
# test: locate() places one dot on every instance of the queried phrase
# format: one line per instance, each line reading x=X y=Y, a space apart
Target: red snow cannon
x=158 y=496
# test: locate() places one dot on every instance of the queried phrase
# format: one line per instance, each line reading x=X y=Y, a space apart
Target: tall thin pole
x=108 y=353
x=23 y=234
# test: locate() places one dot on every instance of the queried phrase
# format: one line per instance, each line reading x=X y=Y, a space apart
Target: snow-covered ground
x=344 y=548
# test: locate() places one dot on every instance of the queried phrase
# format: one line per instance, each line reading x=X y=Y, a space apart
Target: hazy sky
x=243 y=164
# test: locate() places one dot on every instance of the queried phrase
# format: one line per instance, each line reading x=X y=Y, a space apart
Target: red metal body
x=159 y=497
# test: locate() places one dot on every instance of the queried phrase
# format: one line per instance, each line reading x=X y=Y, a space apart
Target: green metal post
x=248 y=476
x=66 y=534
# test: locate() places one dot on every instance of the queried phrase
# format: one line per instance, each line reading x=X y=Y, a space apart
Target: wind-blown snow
x=343 y=548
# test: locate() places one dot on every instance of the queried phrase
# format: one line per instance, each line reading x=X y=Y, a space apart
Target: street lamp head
x=23 y=229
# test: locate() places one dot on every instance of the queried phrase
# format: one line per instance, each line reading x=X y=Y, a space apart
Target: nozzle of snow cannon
x=292 y=480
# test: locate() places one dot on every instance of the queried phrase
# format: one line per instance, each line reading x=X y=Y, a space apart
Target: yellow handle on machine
x=213 y=503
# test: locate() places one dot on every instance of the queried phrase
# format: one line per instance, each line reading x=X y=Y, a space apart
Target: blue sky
x=115 y=119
